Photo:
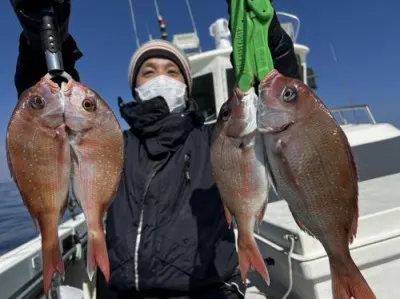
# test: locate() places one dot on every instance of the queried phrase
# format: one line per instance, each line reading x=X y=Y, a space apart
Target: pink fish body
x=39 y=161
x=237 y=160
x=97 y=148
x=313 y=169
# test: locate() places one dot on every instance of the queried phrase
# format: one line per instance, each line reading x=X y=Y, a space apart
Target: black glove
x=30 y=14
x=31 y=63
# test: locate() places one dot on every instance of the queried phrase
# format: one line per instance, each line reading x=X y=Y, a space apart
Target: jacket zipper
x=186 y=167
x=184 y=181
x=140 y=226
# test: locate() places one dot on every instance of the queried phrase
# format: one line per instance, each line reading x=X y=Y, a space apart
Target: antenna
x=293 y=35
x=344 y=85
x=134 y=24
x=192 y=19
x=157 y=9
x=161 y=22
x=148 y=31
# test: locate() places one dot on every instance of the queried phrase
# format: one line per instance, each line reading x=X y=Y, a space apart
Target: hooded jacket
x=166 y=228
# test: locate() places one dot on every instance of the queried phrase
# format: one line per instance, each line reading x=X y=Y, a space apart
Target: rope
x=292 y=239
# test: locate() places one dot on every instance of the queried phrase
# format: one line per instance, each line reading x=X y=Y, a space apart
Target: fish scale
x=316 y=188
x=97 y=145
x=237 y=159
x=313 y=169
x=38 y=159
x=55 y=148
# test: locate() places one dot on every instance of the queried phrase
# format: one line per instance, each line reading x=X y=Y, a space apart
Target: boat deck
x=379 y=212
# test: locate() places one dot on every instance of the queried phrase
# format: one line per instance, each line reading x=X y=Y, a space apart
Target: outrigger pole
x=161 y=23
x=134 y=24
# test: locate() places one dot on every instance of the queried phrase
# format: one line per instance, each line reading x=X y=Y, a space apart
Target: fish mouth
x=77 y=123
x=273 y=120
x=244 y=116
x=244 y=140
x=248 y=135
x=274 y=130
x=70 y=132
x=53 y=121
x=241 y=129
x=268 y=79
x=73 y=132
x=73 y=129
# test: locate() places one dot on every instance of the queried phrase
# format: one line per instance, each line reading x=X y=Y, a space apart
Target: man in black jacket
x=166 y=232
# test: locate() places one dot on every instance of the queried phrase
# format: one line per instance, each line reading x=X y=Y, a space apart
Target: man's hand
x=31 y=12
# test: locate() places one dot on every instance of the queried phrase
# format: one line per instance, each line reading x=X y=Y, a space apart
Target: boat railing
x=290 y=23
x=339 y=114
x=73 y=243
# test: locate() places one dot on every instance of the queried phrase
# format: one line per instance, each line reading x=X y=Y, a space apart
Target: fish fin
x=69 y=198
x=74 y=158
x=260 y=215
x=349 y=153
x=270 y=176
x=35 y=223
x=301 y=225
x=10 y=167
x=52 y=263
x=249 y=256
x=228 y=215
x=354 y=224
x=279 y=151
x=97 y=254
x=72 y=194
x=348 y=282
x=64 y=206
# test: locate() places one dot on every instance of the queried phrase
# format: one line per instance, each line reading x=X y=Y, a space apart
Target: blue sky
x=363 y=33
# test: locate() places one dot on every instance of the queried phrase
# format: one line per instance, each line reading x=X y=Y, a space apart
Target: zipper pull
x=187 y=167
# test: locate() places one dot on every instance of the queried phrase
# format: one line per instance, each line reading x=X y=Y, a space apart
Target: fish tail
x=97 y=254
x=348 y=282
x=249 y=255
x=52 y=262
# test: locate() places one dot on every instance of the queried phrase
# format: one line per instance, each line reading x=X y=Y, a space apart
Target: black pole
x=51 y=43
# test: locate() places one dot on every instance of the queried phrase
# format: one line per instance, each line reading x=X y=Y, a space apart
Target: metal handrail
x=353 y=108
x=294 y=18
x=34 y=286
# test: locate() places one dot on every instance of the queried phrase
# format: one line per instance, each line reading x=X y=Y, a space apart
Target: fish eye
x=89 y=105
x=36 y=102
x=225 y=112
x=289 y=94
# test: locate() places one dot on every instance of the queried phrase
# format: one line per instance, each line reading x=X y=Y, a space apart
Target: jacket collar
x=159 y=130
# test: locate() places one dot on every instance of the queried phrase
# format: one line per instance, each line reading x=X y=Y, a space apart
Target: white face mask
x=172 y=90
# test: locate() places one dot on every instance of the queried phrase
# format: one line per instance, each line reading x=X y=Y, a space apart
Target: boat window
x=204 y=95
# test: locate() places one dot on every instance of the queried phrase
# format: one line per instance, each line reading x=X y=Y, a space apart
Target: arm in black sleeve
x=282 y=50
x=31 y=63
